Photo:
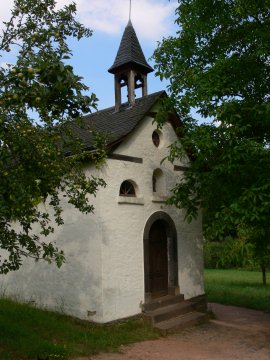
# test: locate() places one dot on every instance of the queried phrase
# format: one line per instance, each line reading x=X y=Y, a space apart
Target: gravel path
x=236 y=333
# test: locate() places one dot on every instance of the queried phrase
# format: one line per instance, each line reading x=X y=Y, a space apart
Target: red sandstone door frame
x=166 y=242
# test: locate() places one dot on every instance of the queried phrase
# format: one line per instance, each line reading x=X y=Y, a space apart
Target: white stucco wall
x=75 y=287
x=103 y=278
x=123 y=225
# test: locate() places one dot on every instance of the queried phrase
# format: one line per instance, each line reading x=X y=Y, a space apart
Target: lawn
x=238 y=287
x=26 y=332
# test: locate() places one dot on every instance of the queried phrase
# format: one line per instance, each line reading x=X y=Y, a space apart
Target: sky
x=151 y=19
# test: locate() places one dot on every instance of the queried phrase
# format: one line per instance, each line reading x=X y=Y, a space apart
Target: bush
x=212 y=253
x=228 y=254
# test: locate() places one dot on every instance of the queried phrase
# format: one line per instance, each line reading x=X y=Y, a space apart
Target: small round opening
x=156 y=138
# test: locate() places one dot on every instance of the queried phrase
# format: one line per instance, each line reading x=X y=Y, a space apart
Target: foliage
x=39 y=94
x=238 y=288
x=26 y=331
x=219 y=64
x=228 y=254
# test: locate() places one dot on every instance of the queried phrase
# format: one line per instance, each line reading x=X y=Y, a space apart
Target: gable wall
x=123 y=225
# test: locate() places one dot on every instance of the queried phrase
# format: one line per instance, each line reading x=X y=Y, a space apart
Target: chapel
x=135 y=254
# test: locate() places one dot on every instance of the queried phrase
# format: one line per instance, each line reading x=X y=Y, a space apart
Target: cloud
x=5 y=11
x=152 y=19
x=4 y=65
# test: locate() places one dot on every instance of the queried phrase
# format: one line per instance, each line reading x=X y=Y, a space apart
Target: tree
x=219 y=64
x=40 y=96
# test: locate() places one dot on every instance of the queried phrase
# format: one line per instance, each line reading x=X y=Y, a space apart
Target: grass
x=26 y=332
x=237 y=287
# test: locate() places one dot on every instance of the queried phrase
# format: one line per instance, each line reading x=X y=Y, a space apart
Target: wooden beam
x=180 y=168
x=152 y=114
x=125 y=158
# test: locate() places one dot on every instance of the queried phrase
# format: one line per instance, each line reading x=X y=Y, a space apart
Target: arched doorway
x=158 y=259
x=160 y=256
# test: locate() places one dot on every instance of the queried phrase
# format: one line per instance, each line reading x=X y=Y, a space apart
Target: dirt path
x=236 y=333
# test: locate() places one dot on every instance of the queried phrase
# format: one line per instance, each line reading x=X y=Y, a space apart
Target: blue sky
x=152 y=20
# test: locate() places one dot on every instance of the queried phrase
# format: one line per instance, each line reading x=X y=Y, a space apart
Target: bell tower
x=130 y=68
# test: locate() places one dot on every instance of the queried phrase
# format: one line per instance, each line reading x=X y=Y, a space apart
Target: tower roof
x=130 y=52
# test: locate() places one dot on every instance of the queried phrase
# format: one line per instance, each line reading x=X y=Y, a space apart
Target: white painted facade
x=103 y=278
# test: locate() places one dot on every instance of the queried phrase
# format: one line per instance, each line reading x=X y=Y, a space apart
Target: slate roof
x=116 y=125
x=130 y=52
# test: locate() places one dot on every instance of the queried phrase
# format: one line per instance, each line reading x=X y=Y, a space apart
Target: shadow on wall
x=73 y=289
x=191 y=266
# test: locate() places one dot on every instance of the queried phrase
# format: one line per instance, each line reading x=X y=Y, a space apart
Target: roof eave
x=114 y=69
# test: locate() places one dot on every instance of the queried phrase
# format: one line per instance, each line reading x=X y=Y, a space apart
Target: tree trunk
x=263 y=267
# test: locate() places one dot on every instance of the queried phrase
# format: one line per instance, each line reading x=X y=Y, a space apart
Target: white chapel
x=135 y=254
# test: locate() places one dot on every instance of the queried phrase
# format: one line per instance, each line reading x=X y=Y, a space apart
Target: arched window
x=158 y=182
x=127 y=189
x=154 y=183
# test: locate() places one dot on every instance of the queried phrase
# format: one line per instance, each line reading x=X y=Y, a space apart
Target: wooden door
x=158 y=260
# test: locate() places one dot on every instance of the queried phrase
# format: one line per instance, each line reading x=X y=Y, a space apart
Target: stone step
x=199 y=303
x=170 y=311
x=163 y=301
x=181 y=322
